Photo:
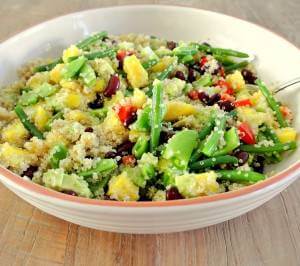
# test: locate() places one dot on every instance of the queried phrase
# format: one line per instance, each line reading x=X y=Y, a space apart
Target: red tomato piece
x=246 y=134
x=193 y=95
x=121 y=55
x=203 y=60
x=125 y=112
x=240 y=103
x=129 y=160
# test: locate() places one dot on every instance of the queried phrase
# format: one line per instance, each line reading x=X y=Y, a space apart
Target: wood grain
x=269 y=235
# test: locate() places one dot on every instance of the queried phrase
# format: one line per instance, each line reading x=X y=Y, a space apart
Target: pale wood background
x=269 y=235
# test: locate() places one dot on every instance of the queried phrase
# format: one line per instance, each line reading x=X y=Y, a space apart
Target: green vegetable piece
x=164 y=74
x=156 y=114
x=143 y=121
x=232 y=142
x=221 y=51
x=73 y=67
x=236 y=66
x=226 y=159
x=100 y=54
x=88 y=75
x=240 y=176
x=140 y=174
x=270 y=133
x=140 y=147
x=272 y=102
x=47 y=67
x=224 y=60
x=91 y=39
x=204 y=81
x=105 y=165
x=179 y=148
x=100 y=113
x=28 y=98
x=204 y=132
x=182 y=51
x=26 y=123
x=45 y=90
x=277 y=147
x=211 y=144
x=187 y=59
x=50 y=121
x=60 y=181
x=59 y=152
x=150 y=63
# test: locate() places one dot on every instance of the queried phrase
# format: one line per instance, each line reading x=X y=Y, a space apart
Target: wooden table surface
x=269 y=235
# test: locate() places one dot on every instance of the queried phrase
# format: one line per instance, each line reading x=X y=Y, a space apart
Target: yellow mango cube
x=70 y=52
x=37 y=79
x=176 y=109
x=79 y=116
x=71 y=85
x=99 y=86
x=16 y=158
x=236 y=80
x=122 y=188
x=73 y=100
x=286 y=134
x=55 y=73
x=15 y=133
x=41 y=117
x=139 y=98
x=162 y=64
x=136 y=74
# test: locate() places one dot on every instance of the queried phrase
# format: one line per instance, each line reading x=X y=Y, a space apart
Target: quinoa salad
x=139 y=118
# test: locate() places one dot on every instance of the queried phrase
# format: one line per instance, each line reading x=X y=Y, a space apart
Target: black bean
x=124 y=148
x=112 y=86
x=226 y=106
x=89 y=129
x=70 y=192
x=203 y=97
x=214 y=99
x=173 y=194
x=111 y=154
x=130 y=119
x=171 y=45
x=97 y=103
x=165 y=135
x=248 y=76
x=29 y=172
x=242 y=156
x=258 y=164
x=179 y=75
x=191 y=75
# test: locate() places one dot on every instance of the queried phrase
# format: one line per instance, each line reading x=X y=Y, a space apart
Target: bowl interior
x=277 y=60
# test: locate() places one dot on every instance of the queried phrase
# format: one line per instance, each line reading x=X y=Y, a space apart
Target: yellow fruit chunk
x=236 y=80
x=70 y=52
x=37 y=79
x=41 y=117
x=15 y=133
x=162 y=64
x=194 y=185
x=286 y=134
x=122 y=188
x=16 y=158
x=99 y=86
x=139 y=98
x=79 y=116
x=55 y=73
x=71 y=85
x=73 y=100
x=176 y=109
x=136 y=74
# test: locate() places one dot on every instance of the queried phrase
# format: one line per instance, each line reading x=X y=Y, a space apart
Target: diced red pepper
x=246 y=134
x=225 y=85
x=129 y=160
x=244 y=102
x=193 y=95
x=121 y=55
x=203 y=61
x=125 y=112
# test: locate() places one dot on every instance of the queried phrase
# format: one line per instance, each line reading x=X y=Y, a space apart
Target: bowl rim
x=36 y=188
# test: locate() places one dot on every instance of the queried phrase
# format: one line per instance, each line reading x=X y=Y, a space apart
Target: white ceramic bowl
x=278 y=60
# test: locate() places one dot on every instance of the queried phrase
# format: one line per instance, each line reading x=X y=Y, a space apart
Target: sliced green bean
x=236 y=66
x=91 y=39
x=26 y=123
x=204 y=81
x=150 y=63
x=277 y=147
x=50 y=121
x=221 y=51
x=272 y=102
x=211 y=144
x=164 y=74
x=241 y=176
x=270 y=133
x=102 y=166
x=48 y=67
x=59 y=152
x=226 y=159
x=156 y=114
x=140 y=147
